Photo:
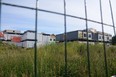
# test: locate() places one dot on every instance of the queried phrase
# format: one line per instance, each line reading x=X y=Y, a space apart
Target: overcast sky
x=24 y=19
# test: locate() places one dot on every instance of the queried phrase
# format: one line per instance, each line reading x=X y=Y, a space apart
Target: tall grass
x=18 y=62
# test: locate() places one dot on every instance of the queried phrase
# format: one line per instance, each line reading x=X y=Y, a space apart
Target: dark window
x=50 y=39
x=90 y=36
x=100 y=37
x=108 y=38
x=54 y=39
x=85 y=35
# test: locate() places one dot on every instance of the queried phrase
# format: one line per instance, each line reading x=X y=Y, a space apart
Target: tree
x=114 y=40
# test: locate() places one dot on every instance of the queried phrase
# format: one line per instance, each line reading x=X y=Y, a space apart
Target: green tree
x=114 y=40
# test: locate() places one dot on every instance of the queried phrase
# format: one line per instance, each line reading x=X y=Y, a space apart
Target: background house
x=26 y=39
x=12 y=37
x=81 y=35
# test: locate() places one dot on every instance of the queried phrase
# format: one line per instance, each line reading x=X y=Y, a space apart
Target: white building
x=27 y=39
x=10 y=35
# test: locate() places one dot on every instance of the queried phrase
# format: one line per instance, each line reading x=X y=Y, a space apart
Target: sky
x=24 y=19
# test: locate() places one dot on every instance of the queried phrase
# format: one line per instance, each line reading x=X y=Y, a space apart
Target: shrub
x=114 y=40
x=18 y=62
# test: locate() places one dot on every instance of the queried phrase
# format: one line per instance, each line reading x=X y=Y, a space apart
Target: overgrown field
x=18 y=62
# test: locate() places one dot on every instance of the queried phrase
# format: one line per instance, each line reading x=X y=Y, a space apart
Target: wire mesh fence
x=74 y=53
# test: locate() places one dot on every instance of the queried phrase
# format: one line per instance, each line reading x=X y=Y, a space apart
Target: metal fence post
x=112 y=17
x=65 y=40
x=88 y=53
x=105 y=57
x=35 y=52
x=0 y=13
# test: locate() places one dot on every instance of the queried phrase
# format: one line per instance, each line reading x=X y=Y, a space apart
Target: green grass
x=18 y=62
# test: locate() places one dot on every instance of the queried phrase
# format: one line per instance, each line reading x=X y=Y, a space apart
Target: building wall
x=52 y=39
x=93 y=35
x=8 y=36
x=60 y=37
x=71 y=36
x=28 y=44
x=80 y=34
x=28 y=39
x=45 y=39
x=28 y=35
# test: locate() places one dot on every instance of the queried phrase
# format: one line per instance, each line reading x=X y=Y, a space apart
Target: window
x=85 y=35
x=80 y=34
x=54 y=39
x=50 y=39
x=100 y=37
x=90 y=36
x=108 y=38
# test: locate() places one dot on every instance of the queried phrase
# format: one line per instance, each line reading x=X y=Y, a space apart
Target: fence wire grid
x=65 y=15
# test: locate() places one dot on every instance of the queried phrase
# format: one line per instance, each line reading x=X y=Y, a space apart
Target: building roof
x=95 y=31
x=104 y=33
x=90 y=30
x=12 y=31
x=29 y=31
x=45 y=34
x=39 y=33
